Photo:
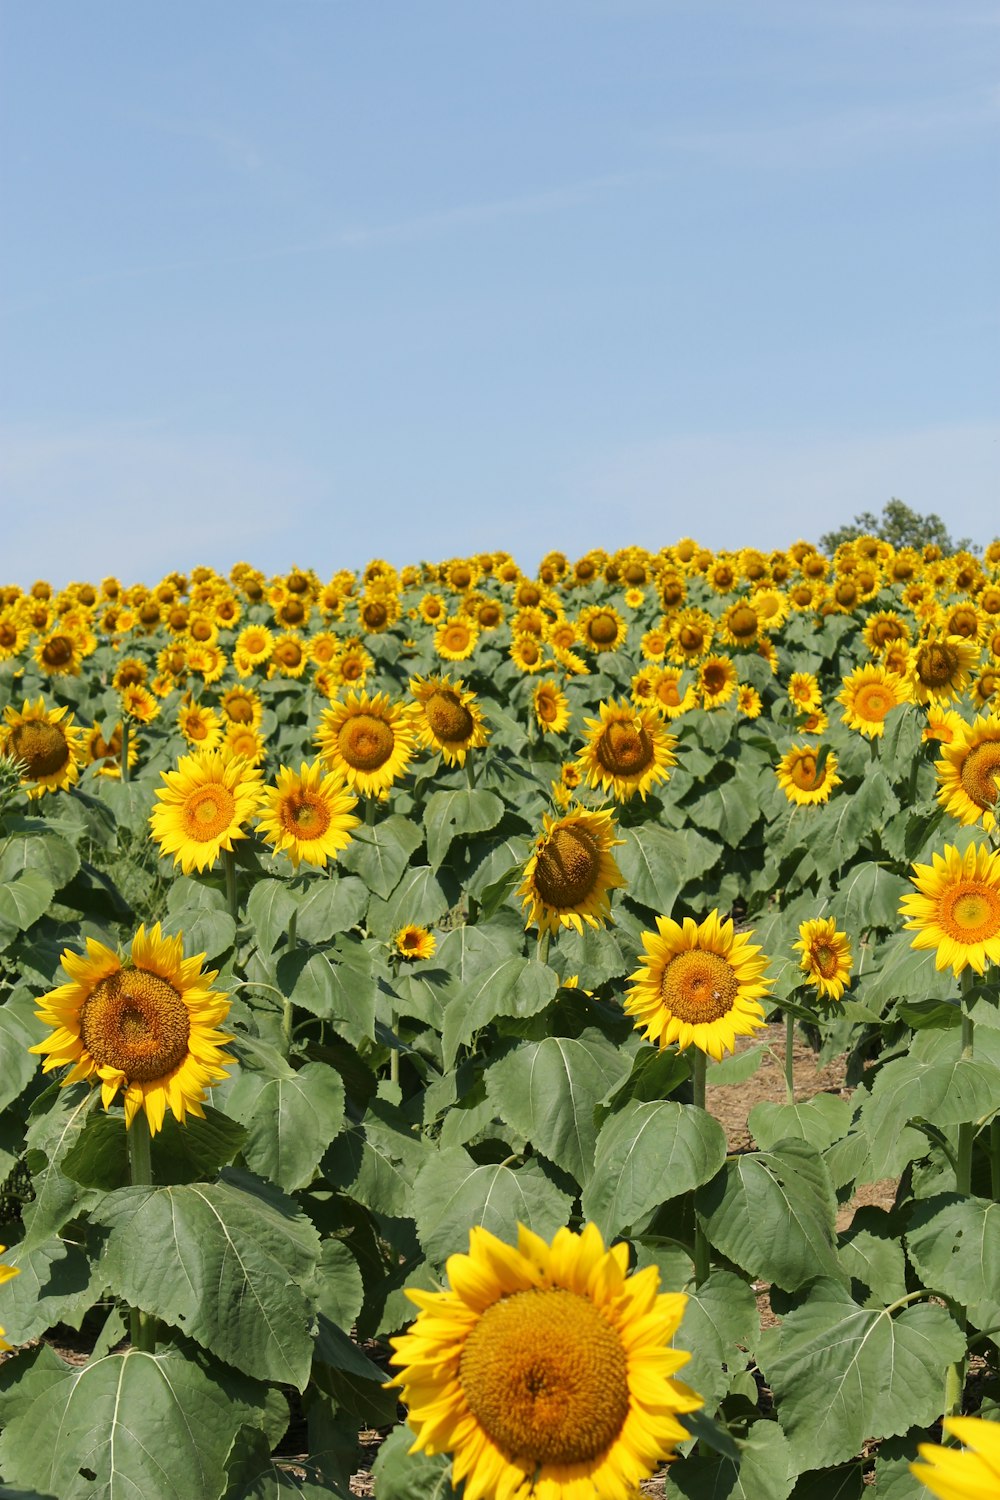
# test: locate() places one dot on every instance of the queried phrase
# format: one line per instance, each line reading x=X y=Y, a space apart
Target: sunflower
x=943 y=724
x=14 y=635
x=369 y=740
x=130 y=672
x=601 y=628
x=415 y=942
x=815 y=723
x=700 y=985
x=545 y=1370
x=207 y=659
x=740 y=624
x=139 y=704
x=241 y=705
x=717 y=680
x=654 y=644
x=572 y=870
x=826 y=956
x=59 y=654
x=627 y=750
x=203 y=807
x=241 y=739
x=804 y=692
x=433 y=608
x=352 y=666
x=691 y=635
x=47 y=742
x=748 y=701
x=449 y=719
x=971 y=1472
x=199 y=724
x=551 y=707
x=801 y=777
x=455 y=639
x=986 y=688
x=940 y=668
x=956 y=908
x=969 y=772
x=254 y=644
x=289 y=657
x=869 y=695
x=377 y=611
x=668 y=700
x=106 y=754
x=146 y=1025
x=528 y=653
x=308 y=814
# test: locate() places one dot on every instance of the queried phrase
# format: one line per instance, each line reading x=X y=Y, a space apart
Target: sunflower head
x=955 y=910
x=414 y=942
x=449 y=718
x=203 y=807
x=826 y=956
x=869 y=695
x=569 y=876
x=46 y=742
x=628 y=750
x=969 y=772
x=308 y=814
x=808 y=774
x=368 y=740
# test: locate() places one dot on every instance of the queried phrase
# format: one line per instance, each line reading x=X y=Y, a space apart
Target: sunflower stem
x=789 y=1058
x=288 y=1011
x=142 y=1327
x=544 y=938
x=232 y=895
x=702 y=1248
x=995 y=1159
x=954 y=1378
x=124 y=757
x=470 y=771
x=370 y=812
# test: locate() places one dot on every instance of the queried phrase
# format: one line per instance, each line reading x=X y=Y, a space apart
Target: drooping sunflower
x=571 y=872
x=627 y=751
x=826 y=956
x=145 y=1025
x=801 y=777
x=869 y=694
x=551 y=707
x=308 y=814
x=204 y=807
x=940 y=668
x=700 y=986
x=545 y=1370
x=369 y=740
x=49 y=744
x=415 y=942
x=956 y=908
x=971 y=1472
x=450 y=719
x=969 y=772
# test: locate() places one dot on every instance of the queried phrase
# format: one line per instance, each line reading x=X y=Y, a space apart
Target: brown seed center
x=567 y=866
x=42 y=746
x=136 y=1022
x=448 y=716
x=697 y=987
x=366 y=742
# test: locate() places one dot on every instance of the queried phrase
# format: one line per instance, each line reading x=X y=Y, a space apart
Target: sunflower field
x=374 y=955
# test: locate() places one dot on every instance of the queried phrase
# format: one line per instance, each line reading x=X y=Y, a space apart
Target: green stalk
x=470 y=771
x=954 y=1379
x=789 y=1059
x=124 y=757
x=232 y=896
x=142 y=1327
x=544 y=938
x=287 y=1019
x=702 y=1248
x=995 y=1159
x=370 y=812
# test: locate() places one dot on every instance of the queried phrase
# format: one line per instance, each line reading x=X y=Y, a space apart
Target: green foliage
x=900 y=526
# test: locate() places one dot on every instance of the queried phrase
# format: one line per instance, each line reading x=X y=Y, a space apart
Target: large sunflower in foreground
x=869 y=694
x=146 y=1025
x=308 y=814
x=700 y=986
x=826 y=956
x=971 y=1472
x=48 y=743
x=546 y=1370
x=450 y=719
x=203 y=807
x=969 y=772
x=568 y=877
x=801 y=777
x=369 y=740
x=956 y=908
x=627 y=750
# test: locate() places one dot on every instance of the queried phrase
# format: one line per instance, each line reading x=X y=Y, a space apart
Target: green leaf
x=658 y=862
x=842 y=1373
x=226 y=1262
x=400 y=1475
x=738 y=1067
x=869 y=896
x=378 y=1161
x=419 y=897
x=772 y=1212
x=338 y=1288
x=451 y=815
x=720 y=1315
x=380 y=853
x=23 y=899
x=765 y=1470
x=336 y=983
x=270 y=908
x=954 y=1243
x=254 y=1475
x=594 y=955
x=19 y=1030
x=451 y=1193
x=731 y=808
x=846 y=822
x=55 y=1285
x=647 y=1154
x=332 y=905
x=180 y=1153
x=130 y=1424
x=872 y=1253
x=513 y=987
x=30 y=844
x=820 y=1120
x=548 y=1092
x=290 y=1120
x=835 y=1484
x=902 y=970
x=935 y=1015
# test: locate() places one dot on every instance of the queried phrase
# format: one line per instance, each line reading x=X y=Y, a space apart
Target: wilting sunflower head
x=449 y=718
x=46 y=742
x=969 y=772
x=415 y=942
x=627 y=750
x=956 y=908
x=971 y=1472
x=308 y=814
x=869 y=694
x=569 y=876
x=203 y=807
x=826 y=956
x=145 y=1025
x=368 y=740
x=546 y=1369
x=808 y=774
x=700 y=985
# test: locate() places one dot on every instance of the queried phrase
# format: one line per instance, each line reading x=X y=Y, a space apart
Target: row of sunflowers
x=382 y=942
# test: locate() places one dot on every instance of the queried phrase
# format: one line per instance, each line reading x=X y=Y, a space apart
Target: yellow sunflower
x=826 y=956
x=740 y=624
x=528 y=653
x=14 y=635
x=146 y=1025
x=545 y=1370
x=804 y=692
x=627 y=750
x=802 y=779
x=971 y=1472
x=654 y=644
x=700 y=985
x=956 y=908
x=203 y=807
x=717 y=680
x=254 y=644
x=47 y=742
x=242 y=740
x=969 y=772
x=6 y=1274
x=105 y=755
x=207 y=659
x=369 y=740
x=289 y=657
x=241 y=705
x=940 y=668
x=139 y=704
x=869 y=694
x=415 y=942
x=601 y=628
x=455 y=639
x=667 y=699
x=748 y=701
x=943 y=724
x=569 y=876
x=199 y=724
x=352 y=665
x=129 y=672
x=551 y=707
x=985 y=690
x=691 y=634
x=59 y=654
x=308 y=814
x=450 y=719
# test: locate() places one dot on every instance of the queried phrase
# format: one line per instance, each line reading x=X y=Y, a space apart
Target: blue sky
x=321 y=280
